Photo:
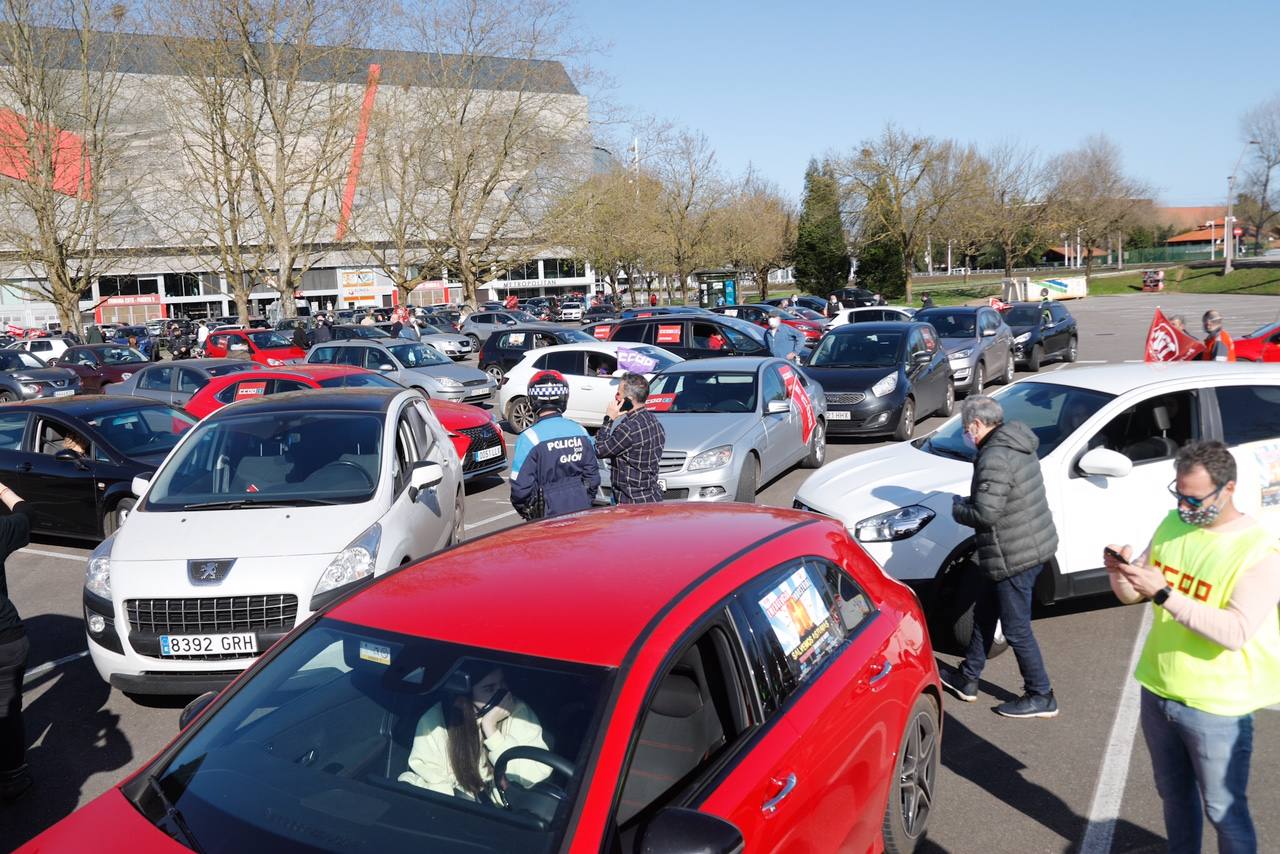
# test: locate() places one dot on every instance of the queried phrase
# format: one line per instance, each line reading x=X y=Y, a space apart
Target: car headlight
x=1023 y=338
x=126 y=375
x=353 y=563
x=712 y=459
x=448 y=382
x=895 y=525
x=31 y=388
x=962 y=354
x=275 y=363
x=97 y=575
x=885 y=386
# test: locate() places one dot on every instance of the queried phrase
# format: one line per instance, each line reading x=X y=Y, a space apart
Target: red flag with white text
x=1168 y=343
x=799 y=396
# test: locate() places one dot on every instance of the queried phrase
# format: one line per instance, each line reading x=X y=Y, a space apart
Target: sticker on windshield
x=799 y=618
x=517 y=339
x=636 y=363
x=669 y=333
x=251 y=390
x=732 y=312
x=375 y=652
x=659 y=402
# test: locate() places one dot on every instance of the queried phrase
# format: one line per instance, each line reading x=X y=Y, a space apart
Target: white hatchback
x=1108 y=436
x=592 y=371
x=265 y=512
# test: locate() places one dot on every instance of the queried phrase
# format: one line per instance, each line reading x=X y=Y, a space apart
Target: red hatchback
x=759 y=683
x=1260 y=345
x=266 y=347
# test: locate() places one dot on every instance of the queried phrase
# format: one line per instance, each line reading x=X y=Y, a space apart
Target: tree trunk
x=907 y=271
x=762 y=282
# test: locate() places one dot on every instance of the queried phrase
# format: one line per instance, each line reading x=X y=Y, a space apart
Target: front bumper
x=960 y=370
x=467 y=394
x=716 y=485
x=47 y=390
x=874 y=416
x=454 y=349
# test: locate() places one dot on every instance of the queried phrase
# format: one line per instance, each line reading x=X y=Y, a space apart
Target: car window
x=156 y=379
x=417 y=355
x=702 y=391
x=323 y=355
x=1058 y=313
x=858 y=349
x=564 y=361
x=190 y=382
x=915 y=344
x=1249 y=413
x=230 y=368
x=1153 y=429
x=519 y=341
x=989 y=321
x=482 y=318
x=930 y=340
x=635 y=332
x=775 y=388
x=80 y=357
x=406 y=454
x=601 y=364
x=51 y=435
x=12 y=427
x=360 y=380
x=41 y=346
x=144 y=431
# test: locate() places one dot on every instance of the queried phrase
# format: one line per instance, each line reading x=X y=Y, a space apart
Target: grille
x=212 y=615
x=845 y=398
x=476 y=382
x=672 y=461
x=484 y=436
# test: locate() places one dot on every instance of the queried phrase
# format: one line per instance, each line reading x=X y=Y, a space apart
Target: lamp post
x=1228 y=224
x=1210 y=224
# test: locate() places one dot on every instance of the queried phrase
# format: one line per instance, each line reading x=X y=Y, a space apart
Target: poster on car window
x=799 y=397
x=799 y=618
x=602 y=332
x=659 y=402
x=1267 y=457
x=257 y=389
x=669 y=333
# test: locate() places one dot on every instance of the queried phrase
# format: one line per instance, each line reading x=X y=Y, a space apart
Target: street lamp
x=1210 y=224
x=1228 y=224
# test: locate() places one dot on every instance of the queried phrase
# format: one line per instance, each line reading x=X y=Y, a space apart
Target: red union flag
x=1168 y=343
x=800 y=399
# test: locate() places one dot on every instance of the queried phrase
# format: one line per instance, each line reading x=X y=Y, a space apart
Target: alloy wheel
x=521 y=415
x=918 y=776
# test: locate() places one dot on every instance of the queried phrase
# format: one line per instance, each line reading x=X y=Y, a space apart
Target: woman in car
x=458 y=741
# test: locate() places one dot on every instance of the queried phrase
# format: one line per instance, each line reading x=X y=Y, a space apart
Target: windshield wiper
x=242 y=503
x=944 y=452
x=173 y=815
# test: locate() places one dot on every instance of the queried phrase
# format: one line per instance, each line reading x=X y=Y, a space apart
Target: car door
x=782 y=429
x=62 y=494
x=1058 y=335
x=938 y=374
x=924 y=386
x=595 y=386
x=84 y=365
x=15 y=458
x=424 y=518
x=156 y=383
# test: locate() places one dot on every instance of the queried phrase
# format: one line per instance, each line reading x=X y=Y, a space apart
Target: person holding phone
x=633 y=439
x=458 y=741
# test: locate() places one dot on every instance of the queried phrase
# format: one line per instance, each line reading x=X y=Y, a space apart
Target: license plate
x=662 y=485
x=488 y=453
x=66 y=392
x=837 y=415
x=242 y=642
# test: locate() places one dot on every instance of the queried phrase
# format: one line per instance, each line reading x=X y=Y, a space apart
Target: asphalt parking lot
x=1007 y=785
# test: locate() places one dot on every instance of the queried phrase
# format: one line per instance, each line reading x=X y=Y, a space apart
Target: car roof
x=1117 y=379
x=952 y=309
x=361 y=342
x=338 y=399
x=877 y=326
x=595 y=346
x=540 y=326
x=87 y=405
x=527 y=571
x=194 y=363
x=720 y=363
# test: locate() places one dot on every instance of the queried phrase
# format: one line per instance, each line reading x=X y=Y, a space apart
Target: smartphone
x=498 y=697
x=1110 y=552
x=626 y=405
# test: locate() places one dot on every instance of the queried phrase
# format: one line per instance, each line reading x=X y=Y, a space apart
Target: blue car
x=146 y=344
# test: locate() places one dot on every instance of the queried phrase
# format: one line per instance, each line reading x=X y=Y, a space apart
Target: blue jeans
x=1009 y=602
x=1201 y=764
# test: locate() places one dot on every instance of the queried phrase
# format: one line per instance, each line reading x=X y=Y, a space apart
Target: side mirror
x=66 y=455
x=192 y=710
x=386 y=367
x=777 y=407
x=988 y=333
x=51 y=362
x=683 y=831
x=921 y=357
x=140 y=484
x=422 y=476
x=1104 y=462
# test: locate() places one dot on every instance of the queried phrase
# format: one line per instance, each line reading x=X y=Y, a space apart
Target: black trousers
x=13 y=739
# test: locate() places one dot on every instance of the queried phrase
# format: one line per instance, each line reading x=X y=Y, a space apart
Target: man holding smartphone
x=633 y=440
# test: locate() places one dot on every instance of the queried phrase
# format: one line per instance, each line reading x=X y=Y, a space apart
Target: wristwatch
x=1162 y=595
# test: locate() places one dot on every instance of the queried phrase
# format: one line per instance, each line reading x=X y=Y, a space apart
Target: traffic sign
x=1238 y=232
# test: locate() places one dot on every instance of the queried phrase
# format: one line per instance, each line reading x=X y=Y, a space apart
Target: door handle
x=885 y=670
x=788 y=784
x=24 y=467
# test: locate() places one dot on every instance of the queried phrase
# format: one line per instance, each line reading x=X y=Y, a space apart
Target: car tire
x=817 y=447
x=494 y=370
x=114 y=517
x=907 y=423
x=979 y=378
x=520 y=415
x=7 y=397
x=1036 y=357
x=951 y=614
x=1073 y=350
x=459 y=531
x=1006 y=376
x=915 y=779
x=748 y=479
x=949 y=402
x=475 y=341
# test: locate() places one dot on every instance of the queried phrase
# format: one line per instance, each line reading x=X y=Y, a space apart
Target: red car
x=760 y=314
x=475 y=433
x=100 y=365
x=1260 y=345
x=765 y=687
x=266 y=347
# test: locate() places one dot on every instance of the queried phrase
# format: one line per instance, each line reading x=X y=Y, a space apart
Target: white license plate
x=662 y=485
x=488 y=453
x=66 y=392
x=241 y=642
x=837 y=415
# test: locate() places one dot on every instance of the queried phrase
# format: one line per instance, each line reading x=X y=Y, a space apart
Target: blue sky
x=773 y=84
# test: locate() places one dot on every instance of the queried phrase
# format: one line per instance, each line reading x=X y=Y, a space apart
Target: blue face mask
x=969 y=441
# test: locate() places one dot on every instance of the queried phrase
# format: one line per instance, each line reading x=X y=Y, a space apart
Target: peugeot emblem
x=209 y=571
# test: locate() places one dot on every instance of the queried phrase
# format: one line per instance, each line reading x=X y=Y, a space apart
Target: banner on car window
x=602 y=332
x=798 y=617
x=659 y=402
x=669 y=333
x=251 y=390
x=800 y=399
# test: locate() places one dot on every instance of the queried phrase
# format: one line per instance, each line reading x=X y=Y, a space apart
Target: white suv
x=266 y=511
x=1107 y=435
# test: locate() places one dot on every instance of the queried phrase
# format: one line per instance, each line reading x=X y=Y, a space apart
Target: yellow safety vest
x=1179 y=664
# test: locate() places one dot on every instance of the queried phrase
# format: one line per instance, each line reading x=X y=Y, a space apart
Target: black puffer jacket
x=1007 y=505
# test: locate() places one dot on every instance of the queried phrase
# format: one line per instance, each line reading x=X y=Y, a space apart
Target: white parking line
x=43 y=553
x=41 y=669
x=1092 y=362
x=1109 y=792
x=484 y=522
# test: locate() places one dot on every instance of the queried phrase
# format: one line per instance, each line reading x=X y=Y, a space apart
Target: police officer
x=554 y=469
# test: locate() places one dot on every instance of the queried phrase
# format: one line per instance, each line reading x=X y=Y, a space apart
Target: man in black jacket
x=1015 y=536
x=15 y=532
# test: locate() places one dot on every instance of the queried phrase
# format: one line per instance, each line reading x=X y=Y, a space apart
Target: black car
x=856 y=297
x=1042 y=332
x=599 y=312
x=881 y=378
x=85 y=492
x=694 y=336
x=355 y=330
x=503 y=350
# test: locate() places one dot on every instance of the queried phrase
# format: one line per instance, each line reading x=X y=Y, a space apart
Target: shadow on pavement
x=70 y=735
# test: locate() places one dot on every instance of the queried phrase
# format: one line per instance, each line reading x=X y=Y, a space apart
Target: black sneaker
x=1030 y=706
x=955 y=682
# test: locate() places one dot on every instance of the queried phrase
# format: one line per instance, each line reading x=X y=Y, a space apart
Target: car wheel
x=817 y=447
x=1073 y=349
x=906 y=818
x=7 y=397
x=949 y=402
x=520 y=414
x=495 y=371
x=459 y=520
x=951 y=613
x=979 y=378
x=116 y=515
x=907 y=424
x=475 y=341
x=1007 y=376
x=1036 y=357
x=747 y=480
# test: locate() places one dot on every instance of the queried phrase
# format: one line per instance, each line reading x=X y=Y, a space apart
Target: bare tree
x=69 y=197
x=1260 y=195
x=756 y=230
x=1096 y=198
x=692 y=190
x=1015 y=201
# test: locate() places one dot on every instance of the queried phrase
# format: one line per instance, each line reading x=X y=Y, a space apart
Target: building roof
x=1189 y=216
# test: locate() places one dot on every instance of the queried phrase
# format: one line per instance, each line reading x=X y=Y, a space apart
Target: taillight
x=502 y=381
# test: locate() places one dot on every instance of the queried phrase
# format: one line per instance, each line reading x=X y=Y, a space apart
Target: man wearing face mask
x=1009 y=513
x=1212 y=656
x=1218 y=346
x=783 y=341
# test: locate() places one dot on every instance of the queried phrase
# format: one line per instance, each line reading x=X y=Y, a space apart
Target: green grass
x=1187 y=280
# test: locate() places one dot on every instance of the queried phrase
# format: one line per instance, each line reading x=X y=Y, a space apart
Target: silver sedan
x=733 y=424
x=454 y=345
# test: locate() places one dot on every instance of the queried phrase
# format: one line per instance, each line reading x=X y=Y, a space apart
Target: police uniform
x=554 y=469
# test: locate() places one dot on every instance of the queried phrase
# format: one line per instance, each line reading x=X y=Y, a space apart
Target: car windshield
x=234 y=367
x=522 y=316
x=418 y=355
x=269 y=340
x=703 y=391
x=16 y=360
x=341 y=742
x=1263 y=330
x=806 y=313
x=858 y=350
x=135 y=331
x=1053 y=412
x=271 y=459
x=1023 y=315
x=367 y=332
x=950 y=324
x=144 y=431
x=574 y=336
x=428 y=329
x=120 y=356
x=360 y=381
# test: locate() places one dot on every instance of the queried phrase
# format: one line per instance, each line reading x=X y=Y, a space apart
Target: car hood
x=692 y=431
x=954 y=345
x=461 y=373
x=459 y=416
x=849 y=379
x=235 y=533
x=118 y=371
x=41 y=375
x=862 y=485
x=1019 y=330
x=446 y=336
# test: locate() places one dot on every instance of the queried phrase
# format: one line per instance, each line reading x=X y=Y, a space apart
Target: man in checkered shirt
x=632 y=441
